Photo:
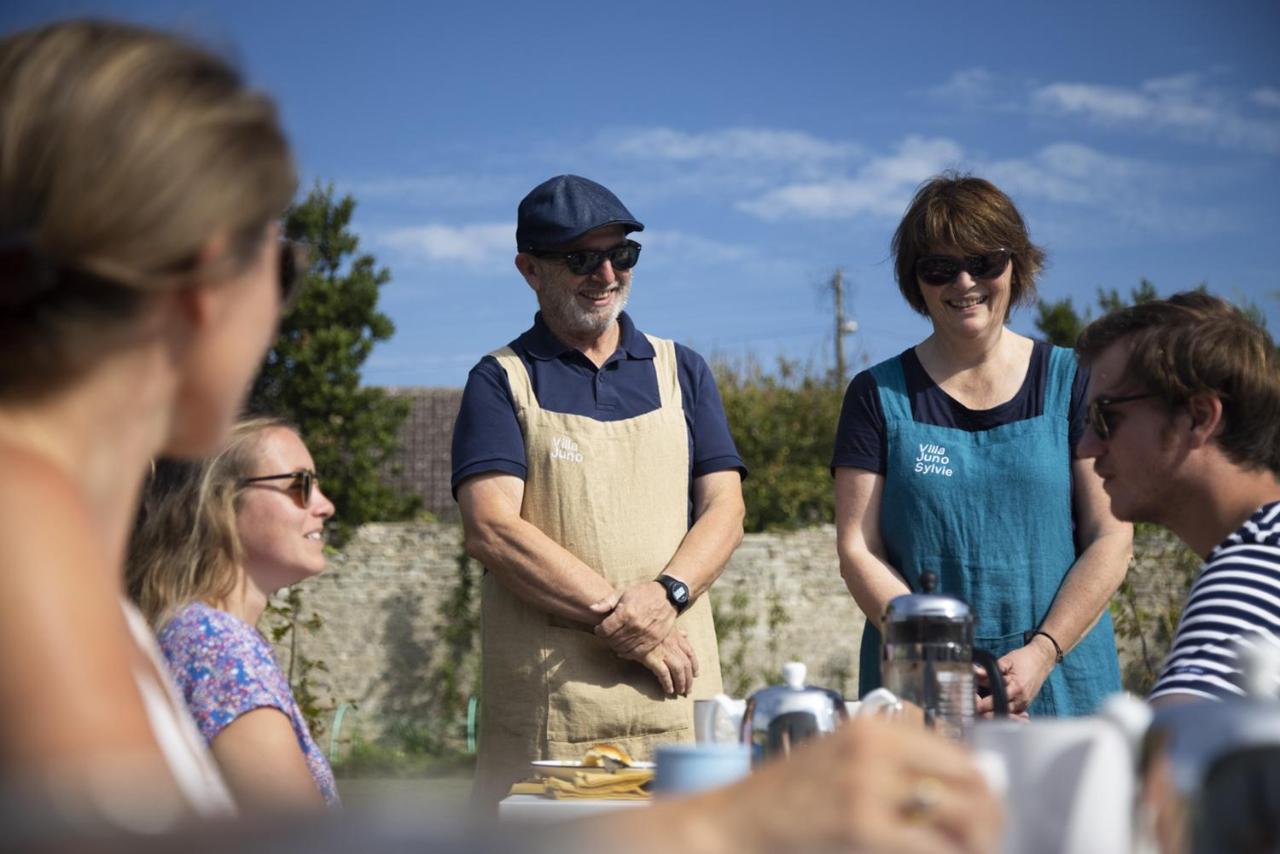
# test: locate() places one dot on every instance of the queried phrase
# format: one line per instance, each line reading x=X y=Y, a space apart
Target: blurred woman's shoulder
x=58 y=578
x=46 y=522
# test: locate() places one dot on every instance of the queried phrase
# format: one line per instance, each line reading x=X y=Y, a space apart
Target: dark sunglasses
x=940 y=270
x=295 y=257
x=1098 y=414
x=584 y=262
x=302 y=482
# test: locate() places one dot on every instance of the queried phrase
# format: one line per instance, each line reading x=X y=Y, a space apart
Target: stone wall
x=399 y=605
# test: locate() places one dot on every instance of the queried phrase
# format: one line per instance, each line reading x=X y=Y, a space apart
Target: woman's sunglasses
x=1099 y=416
x=938 y=270
x=301 y=483
x=584 y=262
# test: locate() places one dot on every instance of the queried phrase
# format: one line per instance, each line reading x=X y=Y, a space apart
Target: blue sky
x=764 y=145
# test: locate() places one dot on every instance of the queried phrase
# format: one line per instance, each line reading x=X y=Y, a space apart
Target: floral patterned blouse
x=225 y=668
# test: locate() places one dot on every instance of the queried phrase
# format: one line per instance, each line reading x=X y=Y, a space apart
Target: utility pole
x=844 y=326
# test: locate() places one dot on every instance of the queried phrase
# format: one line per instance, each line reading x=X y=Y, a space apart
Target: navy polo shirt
x=487 y=437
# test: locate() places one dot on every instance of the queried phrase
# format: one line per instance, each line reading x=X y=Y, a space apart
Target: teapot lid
x=927 y=605
x=793 y=676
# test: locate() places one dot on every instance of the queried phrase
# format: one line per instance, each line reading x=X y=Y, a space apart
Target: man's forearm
x=537 y=569
x=708 y=545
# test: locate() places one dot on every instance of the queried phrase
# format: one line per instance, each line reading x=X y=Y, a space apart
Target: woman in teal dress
x=956 y=456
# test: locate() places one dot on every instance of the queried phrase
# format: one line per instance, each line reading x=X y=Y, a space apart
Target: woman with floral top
x=214 y=540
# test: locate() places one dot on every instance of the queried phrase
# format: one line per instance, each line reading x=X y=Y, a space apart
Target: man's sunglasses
x=941 y=270
x=301 y=482
x=584 y=262
x=1098 y=414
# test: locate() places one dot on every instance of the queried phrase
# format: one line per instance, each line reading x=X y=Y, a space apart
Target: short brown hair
x=123 y=151
x=185 y=545
x=972 y=215
x=1194 y=342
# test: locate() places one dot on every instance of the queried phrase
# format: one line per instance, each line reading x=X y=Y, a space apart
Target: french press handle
x=999 y=696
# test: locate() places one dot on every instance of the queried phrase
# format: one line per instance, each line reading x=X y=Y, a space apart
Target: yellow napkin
x=623 y=784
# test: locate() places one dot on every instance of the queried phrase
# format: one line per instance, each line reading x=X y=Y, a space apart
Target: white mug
x=1069 y=784
x=718 y=720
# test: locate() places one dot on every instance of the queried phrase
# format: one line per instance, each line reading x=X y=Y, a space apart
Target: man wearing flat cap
x=602 y=492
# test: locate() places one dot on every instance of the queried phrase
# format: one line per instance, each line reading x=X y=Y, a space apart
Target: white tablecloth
x=536 y=808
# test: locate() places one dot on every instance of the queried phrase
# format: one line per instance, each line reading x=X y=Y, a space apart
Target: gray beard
x=567 y=319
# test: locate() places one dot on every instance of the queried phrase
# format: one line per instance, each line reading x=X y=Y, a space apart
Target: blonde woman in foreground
x=140 y=186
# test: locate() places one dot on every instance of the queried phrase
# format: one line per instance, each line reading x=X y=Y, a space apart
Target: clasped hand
x=1024 y=671
x=641 y=626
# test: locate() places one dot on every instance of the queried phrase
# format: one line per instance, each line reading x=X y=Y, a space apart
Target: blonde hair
x=123 y=152
x=185 y=546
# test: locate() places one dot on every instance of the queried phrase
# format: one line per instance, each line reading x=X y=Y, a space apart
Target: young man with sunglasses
x=601 y=490
x=1184 y=415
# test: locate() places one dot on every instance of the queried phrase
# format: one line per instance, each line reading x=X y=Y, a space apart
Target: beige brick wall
x=387 y=646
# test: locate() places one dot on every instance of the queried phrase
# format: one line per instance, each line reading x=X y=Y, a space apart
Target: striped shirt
x=1234 y=604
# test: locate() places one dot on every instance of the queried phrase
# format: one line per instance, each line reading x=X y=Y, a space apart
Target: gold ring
x=924 y=799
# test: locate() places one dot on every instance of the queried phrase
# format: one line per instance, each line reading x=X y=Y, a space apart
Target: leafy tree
x=783 y=425
x=1059 y=322
x=312 y=373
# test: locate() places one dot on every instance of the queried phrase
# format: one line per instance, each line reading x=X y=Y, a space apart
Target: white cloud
x=682 y=247
x=881 y=187
x=751 y=144
x=476 y=244
x=1266 y=97
x=1067 y=173
x=1179 y=103
x=1111 y=193
x=970 y=85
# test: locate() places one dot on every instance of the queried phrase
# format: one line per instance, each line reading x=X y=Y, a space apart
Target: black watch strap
x=677 y=592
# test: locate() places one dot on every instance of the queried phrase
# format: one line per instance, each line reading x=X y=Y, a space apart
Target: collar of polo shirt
x=544 y=345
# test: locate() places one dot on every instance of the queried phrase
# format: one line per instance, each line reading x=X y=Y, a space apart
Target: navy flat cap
x=559 y=211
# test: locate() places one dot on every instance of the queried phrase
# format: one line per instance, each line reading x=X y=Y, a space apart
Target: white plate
x=566 y=768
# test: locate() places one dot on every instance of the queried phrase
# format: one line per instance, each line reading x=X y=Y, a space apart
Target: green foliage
x=1060 y=324
x=430 y=681
x=385 y=758
x=1147 y=607
x=783 y=424
x=312 y=373
x=734 y=622
x=285 y=622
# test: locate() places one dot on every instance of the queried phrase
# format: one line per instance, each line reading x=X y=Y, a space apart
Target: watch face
x=680 y=592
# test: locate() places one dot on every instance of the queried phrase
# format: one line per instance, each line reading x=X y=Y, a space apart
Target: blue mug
x=686 y=768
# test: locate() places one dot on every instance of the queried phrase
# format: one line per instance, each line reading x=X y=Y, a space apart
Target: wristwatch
x=677 y=592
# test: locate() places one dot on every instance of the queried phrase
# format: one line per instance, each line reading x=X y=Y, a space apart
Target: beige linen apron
x=615 y=494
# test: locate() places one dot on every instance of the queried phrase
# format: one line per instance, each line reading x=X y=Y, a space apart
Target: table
x=537 y=809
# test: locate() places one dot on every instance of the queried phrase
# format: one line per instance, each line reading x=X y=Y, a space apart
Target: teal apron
x=990 y=513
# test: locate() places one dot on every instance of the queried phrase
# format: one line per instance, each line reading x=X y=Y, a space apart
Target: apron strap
x=667 y=372
x=1058 y=381
x=891 y=382
x=517 y=378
